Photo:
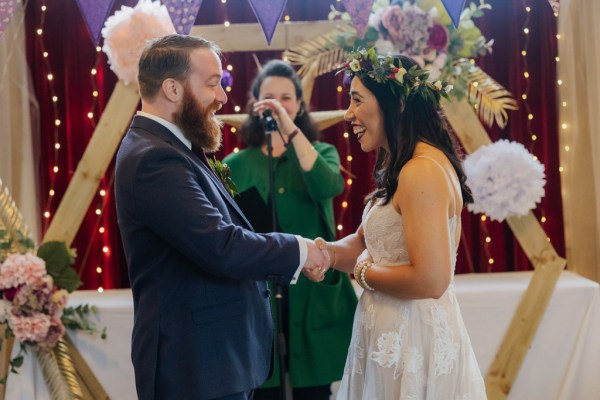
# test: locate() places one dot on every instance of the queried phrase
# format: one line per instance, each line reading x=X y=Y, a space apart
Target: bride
x=408 y=340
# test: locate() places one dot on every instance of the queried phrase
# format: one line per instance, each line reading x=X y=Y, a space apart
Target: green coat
x=320 y=314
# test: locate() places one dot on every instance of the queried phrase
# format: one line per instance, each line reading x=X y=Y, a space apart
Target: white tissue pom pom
x=126 y=33
x=505 y=180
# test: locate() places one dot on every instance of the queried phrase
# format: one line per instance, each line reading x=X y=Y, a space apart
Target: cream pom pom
x=126 y=33
x=505 y=180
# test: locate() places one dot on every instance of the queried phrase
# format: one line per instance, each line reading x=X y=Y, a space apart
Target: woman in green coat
x=317 y=317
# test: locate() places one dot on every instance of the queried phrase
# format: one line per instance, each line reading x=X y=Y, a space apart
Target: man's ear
x=172 y=89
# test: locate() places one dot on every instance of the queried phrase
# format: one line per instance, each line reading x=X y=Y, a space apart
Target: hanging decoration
x=454 y=9
x=126 y=32
x=359 y=11
x=183 y=14
x=7 y=9
x=94 y=14
x=506 y=180
x=268 y=13
x=555 y=4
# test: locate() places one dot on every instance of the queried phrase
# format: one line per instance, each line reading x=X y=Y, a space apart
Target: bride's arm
x=344 y=252
x=425 y=201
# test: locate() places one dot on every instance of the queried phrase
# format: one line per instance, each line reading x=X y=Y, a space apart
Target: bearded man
x=202 y=320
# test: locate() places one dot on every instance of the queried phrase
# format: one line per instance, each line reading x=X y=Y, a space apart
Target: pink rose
x=55 y=333
x=29 y=329
x=392 y=19
x=438 y=37
x=20 y=269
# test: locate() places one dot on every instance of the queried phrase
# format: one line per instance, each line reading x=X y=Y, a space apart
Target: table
x=562 y=364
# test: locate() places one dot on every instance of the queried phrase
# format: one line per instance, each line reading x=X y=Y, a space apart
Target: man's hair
x=168 y=57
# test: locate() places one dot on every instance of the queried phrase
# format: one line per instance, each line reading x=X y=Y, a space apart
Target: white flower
x=5 y=307
x=448 y=88
x=355 y=65
x=505 y=180
x=385 y=47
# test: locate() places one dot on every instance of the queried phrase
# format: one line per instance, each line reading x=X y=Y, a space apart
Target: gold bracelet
x=334 y=254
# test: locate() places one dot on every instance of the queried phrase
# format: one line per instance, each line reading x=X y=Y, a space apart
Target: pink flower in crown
x=438 y=37
x=19 y=269
x=33 y=328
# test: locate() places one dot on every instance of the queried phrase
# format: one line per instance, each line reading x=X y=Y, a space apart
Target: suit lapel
x=162 y=132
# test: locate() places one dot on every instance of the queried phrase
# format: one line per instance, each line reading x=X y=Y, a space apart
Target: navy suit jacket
x=202 y=319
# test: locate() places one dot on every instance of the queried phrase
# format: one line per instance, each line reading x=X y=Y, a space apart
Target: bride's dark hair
x=405 y=124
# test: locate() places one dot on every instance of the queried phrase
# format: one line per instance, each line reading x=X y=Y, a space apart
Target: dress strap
x=454 y=181
x=441 y=167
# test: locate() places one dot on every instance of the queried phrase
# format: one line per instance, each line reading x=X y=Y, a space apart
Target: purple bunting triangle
x=454 y=9
x=95 y=13
x=7 y=9
x=555 y=5
x=183 y=14
x=268 y=13
x=359 y=11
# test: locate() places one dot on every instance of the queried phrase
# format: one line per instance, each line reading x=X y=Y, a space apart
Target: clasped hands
x=317 y=262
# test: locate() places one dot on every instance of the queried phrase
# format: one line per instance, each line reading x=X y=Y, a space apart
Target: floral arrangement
x=506 y=180
x=366 y=64
x=423 y=31
x=224 y=173
x=33 y=295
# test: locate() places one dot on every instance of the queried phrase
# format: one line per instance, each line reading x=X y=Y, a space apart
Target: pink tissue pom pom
x=126 y=33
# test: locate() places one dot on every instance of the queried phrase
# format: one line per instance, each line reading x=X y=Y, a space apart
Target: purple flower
x=438 y=37
x=226 y=79
x=10 y=293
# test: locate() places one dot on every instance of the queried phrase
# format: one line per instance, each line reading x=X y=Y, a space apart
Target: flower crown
x=366 y=64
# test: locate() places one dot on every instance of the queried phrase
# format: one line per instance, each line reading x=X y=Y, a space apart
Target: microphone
x=269 y=123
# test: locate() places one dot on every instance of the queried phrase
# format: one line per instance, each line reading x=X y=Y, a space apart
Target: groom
x=202 y=320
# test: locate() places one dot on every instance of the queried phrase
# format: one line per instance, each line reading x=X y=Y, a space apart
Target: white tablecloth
x=563 y=362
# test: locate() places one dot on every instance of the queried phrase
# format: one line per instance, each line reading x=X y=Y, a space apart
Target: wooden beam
x=526 y=320
x=90 y=170
x=465 y=124
x=324 y=119
x=250 y=37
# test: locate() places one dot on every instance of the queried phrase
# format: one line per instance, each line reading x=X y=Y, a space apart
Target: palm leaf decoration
x=14 y=233
x=491 y=100
x=324 y=51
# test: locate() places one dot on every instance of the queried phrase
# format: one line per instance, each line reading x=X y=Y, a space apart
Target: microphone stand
x=281 y=345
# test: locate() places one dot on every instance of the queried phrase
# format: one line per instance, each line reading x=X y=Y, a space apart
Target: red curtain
x=71 y=57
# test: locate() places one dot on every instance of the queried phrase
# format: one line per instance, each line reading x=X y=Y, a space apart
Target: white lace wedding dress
x=407 y=349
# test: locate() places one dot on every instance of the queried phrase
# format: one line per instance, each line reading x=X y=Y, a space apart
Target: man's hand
x=317 y=262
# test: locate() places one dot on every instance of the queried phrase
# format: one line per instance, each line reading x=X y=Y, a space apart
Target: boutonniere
x=224 y=173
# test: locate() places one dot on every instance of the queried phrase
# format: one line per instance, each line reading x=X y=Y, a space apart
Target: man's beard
x=198 y=124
